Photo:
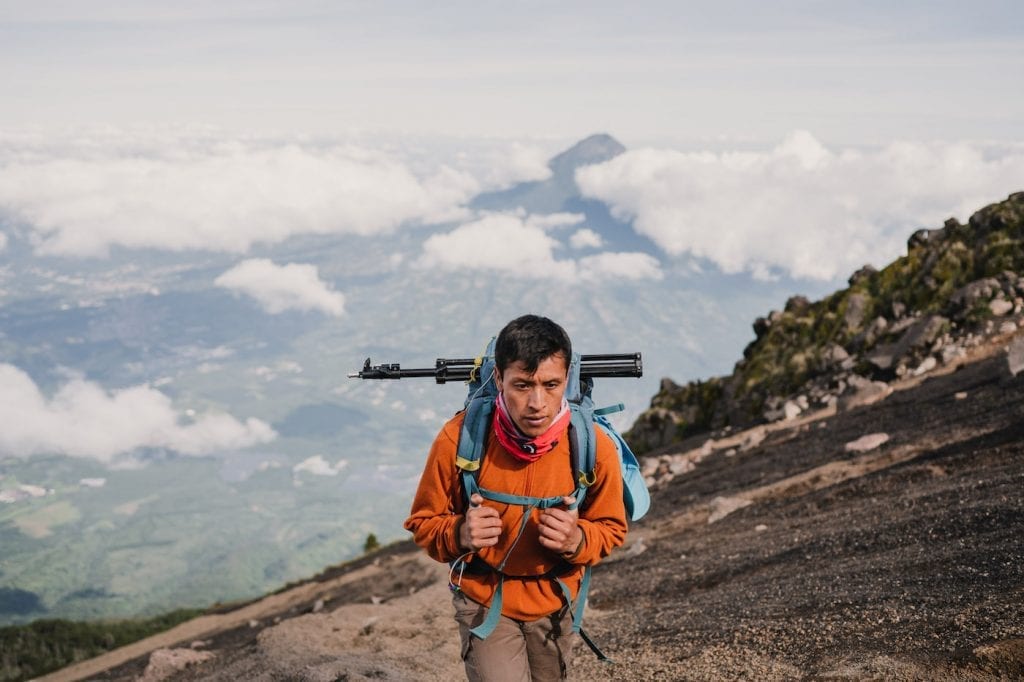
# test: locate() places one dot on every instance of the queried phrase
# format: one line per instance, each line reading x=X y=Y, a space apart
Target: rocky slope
x=882 y=542
x=956 y=286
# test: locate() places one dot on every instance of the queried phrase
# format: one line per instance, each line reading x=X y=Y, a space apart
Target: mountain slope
x=813 y=554
x=955 y=285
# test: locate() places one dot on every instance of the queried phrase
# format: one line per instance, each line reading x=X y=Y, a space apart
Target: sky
x=737 y=72
x=797 y=138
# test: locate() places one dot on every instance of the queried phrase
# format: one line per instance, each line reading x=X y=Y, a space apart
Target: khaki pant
x=517 y=651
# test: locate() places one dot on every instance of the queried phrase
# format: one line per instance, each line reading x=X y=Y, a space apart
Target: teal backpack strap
x=577 y=611
x=479 y=408
x=582 y=441
x=485 y=628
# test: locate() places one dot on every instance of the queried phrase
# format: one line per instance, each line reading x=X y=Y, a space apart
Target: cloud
x=84 y=420
x=497 y=241
x=553 y=220
x=3 y=241
x=318 y=466
x=518 y=245
x=586 y=238
x=800 y=208
x=198 y=193
x=609 y=266
x=505 y=164
x=283 y=287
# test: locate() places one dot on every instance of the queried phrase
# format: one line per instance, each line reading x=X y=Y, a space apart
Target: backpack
x=585 y=419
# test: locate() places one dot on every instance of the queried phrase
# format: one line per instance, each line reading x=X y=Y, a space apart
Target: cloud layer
x=84 y=420
x=279 y=288
x=800 y=209
x=179 y=193
x=520 y=246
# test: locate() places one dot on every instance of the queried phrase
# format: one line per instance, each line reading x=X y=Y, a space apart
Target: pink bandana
x=521 y=446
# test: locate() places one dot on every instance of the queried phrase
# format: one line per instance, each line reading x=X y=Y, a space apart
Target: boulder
x=798 y=305
x=834 y=354
x=927 y=365
x=918 y=337
x=165 y=663
x=951 y=353
x=861 y=391
x=1000 y=306
x=1015 y=356
x=761 y=327
x=855 y=306
x=884 y=357
x=753 y=438
x=968 y=295
x=923 y=237
x=867 y=442
x=924 y=333
x=861 y=275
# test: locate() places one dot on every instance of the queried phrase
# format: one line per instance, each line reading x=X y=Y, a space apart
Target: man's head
x=531 y=357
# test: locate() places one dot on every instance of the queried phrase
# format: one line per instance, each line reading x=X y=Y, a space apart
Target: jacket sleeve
x=603 y=515
x=437 y=509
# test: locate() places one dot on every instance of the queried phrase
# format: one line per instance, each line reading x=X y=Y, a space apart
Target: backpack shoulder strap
x=582 y=440
x=479 y=407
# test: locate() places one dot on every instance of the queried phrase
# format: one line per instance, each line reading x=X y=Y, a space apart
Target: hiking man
x=518 y=558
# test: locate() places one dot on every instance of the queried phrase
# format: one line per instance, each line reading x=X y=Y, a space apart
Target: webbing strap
x=593 y=647
x=493 y=613
x=520 y=500
x=577 y=611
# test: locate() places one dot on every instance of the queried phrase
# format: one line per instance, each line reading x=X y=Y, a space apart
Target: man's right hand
x=482 y=526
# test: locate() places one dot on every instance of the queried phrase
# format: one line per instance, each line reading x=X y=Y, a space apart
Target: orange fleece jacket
x=439 y=506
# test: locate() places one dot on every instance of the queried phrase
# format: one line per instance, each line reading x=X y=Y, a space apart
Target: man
x=526 y=454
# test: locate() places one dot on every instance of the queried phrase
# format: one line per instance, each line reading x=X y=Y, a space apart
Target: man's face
x=534 y=400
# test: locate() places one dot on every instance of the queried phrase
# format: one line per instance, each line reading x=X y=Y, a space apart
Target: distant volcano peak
x=597 y=148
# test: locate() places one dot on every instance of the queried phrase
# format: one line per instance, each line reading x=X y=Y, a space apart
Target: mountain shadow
x=560 y=194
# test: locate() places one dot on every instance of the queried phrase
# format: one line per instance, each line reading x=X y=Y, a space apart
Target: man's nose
x=535 y=399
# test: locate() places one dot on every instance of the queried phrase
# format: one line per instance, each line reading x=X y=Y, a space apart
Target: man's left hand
x=559 y=530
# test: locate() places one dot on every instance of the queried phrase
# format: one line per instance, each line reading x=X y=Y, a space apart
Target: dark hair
x=531 y=339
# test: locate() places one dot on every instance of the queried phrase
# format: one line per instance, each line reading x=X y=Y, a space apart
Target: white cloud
x=609 y=266
x=84 y=420
x=554 y=220
x=518 y=245
x=3 y=241
x=318 y=466
x=176 y=192
x=505 y=164
x=496 y=241
x=283 y=287
x=586 y=238
x=801 y=208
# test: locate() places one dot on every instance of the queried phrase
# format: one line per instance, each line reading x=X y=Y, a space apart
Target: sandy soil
x=796 y=559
